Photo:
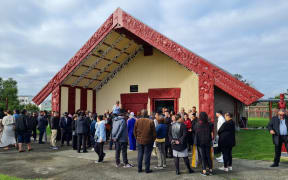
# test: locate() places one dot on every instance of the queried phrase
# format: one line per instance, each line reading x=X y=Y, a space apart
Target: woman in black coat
x=227 y=141
x=178 y=140
x=203 y=140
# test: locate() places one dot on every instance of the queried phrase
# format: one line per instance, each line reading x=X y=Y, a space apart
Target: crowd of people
x=166 y=134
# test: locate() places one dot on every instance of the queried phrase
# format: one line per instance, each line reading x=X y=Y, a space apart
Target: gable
x=78 y=71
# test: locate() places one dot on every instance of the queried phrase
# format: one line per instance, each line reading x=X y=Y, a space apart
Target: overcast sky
x=38 y=37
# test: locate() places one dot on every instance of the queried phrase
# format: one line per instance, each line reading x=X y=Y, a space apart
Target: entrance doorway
x=167 y=103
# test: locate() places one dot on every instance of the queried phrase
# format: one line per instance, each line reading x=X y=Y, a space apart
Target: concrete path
x=65 y=164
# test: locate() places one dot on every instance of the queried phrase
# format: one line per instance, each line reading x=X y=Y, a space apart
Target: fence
x=259 y=112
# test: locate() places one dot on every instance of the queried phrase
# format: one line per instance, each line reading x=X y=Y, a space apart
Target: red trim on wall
x=71 y=99
x=164 y=93
x=83 y=99
x=94 y=101
x=152 y=103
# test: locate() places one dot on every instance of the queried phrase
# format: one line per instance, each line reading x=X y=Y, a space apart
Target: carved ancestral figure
x=282 y=103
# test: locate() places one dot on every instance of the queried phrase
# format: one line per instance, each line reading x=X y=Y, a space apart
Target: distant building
x=45 y=105
x=24 y=100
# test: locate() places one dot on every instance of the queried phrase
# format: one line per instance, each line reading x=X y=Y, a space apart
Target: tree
x=31 y=108
x=240 y=78
x=9 y=90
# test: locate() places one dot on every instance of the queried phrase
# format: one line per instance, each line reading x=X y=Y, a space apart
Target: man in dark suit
x=278 y=127
x=66 y=128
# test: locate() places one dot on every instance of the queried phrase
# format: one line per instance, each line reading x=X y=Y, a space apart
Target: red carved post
x=206 y=94
x=56 y=97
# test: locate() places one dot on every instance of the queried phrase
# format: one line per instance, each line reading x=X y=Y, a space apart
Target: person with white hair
x=278 y=128
x=131 y=123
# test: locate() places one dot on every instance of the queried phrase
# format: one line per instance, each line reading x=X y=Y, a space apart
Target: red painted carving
x=209 y=74
x=282 y=103
x=56 y=94
x=74 y=61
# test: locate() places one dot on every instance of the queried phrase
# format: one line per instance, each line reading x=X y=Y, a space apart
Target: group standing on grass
x=170 y=134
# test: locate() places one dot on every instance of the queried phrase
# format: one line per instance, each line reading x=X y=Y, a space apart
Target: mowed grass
x=254 y=145
x=255 y=122
x=5 y=177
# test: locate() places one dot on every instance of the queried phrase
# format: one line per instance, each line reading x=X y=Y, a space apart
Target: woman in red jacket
x=188 y=124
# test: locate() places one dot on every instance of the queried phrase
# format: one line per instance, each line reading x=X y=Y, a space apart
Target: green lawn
x=5 y=177
x=254 y=145
x=257 y=122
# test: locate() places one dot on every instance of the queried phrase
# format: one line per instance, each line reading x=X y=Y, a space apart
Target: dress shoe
x=148 y=171
x=140 y=171
x=191 y=171
x=274 y=165
x=177 y=172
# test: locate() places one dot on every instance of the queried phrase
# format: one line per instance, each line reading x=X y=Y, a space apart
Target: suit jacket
x=82 y=125
x=274 y=124
x=227 y=134
x=66 y=126
x=42 y=122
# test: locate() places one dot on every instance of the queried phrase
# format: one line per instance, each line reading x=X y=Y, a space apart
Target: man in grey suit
x=278 y=127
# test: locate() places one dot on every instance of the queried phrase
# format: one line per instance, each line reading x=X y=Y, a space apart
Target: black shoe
x=85 y=151
x=177 y=172
x=148 y=171
x=274 y=165
x=140 y=171
x=191 y=171
x=104 y=154
x=78 y=151
x=211 y=173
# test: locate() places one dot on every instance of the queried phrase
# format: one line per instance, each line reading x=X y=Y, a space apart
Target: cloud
x=37 y=38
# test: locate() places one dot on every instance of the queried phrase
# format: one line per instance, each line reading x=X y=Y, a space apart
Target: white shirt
x=221 y=121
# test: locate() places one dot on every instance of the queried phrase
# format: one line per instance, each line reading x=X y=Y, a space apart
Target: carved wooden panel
x=75 y=60
x=56 y=95
x=209 y=74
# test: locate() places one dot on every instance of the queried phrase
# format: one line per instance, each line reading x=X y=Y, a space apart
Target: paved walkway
x=67 y=164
